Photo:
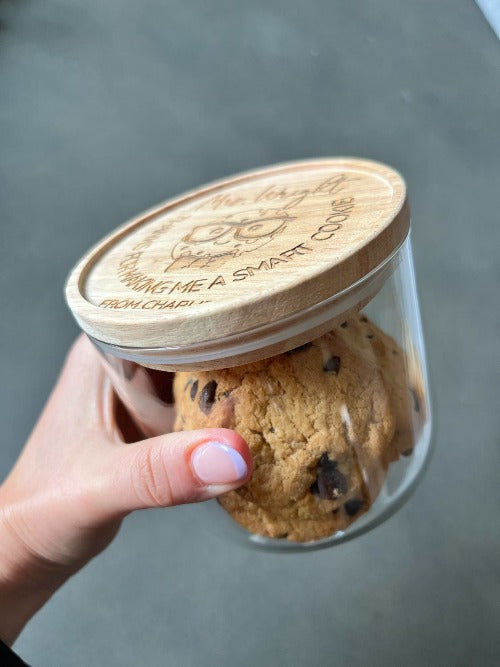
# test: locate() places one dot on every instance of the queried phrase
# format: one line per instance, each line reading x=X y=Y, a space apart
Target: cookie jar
x=281 y=303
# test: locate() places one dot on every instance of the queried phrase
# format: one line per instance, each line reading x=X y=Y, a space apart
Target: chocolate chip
x=330 y=482
x=343 y=325
x=300 y=348
x=407 y=452
x=416 y=401
x=370 y=336
x=194 y=389
x=363 y=318
x=207 y=396
x=332 y=365
x=272 y=429
x=353 y=506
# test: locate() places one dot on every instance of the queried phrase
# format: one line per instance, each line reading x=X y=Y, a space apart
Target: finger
x=77 y=398
x=173 y=469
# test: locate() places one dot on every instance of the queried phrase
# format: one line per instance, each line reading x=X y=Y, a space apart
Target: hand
x=76 y=479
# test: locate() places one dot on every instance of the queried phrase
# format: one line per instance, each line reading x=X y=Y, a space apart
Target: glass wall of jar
x=339 y=426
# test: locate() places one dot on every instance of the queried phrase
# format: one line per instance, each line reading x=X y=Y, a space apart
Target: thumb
x=172 y=469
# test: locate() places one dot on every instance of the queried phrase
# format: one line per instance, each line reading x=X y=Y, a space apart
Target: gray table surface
x=109 y=107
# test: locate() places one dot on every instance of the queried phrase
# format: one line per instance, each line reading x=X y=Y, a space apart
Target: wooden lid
x=239 y=253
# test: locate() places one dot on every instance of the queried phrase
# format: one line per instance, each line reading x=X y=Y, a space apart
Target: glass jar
x=280 y=303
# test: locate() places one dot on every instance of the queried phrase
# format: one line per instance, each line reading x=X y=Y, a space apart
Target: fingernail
x=215 y=463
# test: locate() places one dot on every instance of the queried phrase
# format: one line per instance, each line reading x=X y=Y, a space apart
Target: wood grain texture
x=239 y=253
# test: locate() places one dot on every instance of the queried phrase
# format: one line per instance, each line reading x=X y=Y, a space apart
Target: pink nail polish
x=216 y=463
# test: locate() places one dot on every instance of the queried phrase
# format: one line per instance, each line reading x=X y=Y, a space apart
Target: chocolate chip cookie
x=323 y=422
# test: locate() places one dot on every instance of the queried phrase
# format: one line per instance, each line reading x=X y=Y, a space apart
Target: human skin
x=76 y=480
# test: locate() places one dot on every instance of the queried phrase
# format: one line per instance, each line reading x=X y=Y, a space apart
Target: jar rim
x=265 y=340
